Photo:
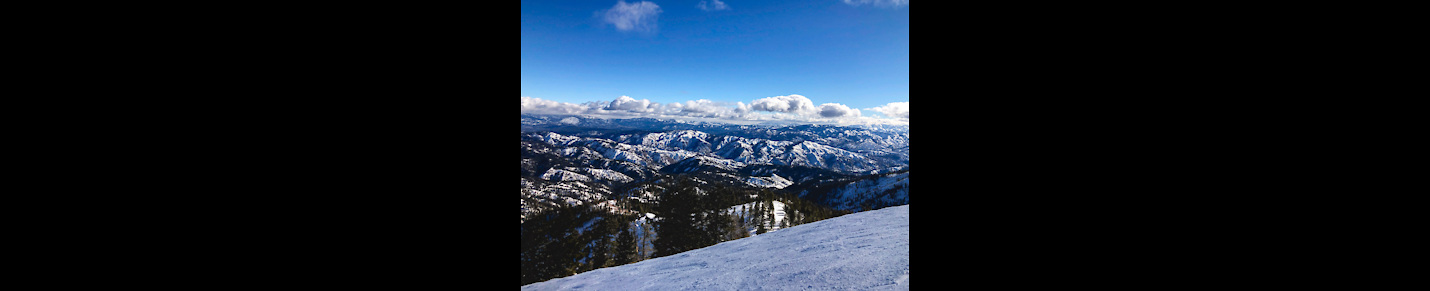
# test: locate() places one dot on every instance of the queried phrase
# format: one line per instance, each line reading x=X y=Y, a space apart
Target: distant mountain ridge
x=571 y=160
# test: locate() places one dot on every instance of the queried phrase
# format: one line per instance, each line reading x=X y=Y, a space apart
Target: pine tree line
x=552 y=246
x=688 y=216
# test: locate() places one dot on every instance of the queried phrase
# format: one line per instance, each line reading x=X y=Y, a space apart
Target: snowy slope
x=697 y=163
x=686 y=140
x=866 y=250
x=555 y=174
x=890 y=189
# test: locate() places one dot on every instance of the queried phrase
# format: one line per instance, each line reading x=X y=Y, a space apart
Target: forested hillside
x=573 y=239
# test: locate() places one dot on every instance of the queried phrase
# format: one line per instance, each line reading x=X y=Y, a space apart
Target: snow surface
x=866 y=250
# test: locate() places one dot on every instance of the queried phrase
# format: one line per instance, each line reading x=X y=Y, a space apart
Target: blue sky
x=846 y=52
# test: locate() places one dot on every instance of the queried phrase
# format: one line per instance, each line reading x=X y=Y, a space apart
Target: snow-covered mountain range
x=660 y=149
x=572 y=160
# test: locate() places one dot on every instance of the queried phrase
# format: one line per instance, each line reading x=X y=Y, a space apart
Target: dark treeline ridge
x=567 y=240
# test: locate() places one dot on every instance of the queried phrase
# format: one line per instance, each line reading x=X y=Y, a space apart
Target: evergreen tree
x=625 y=245
x=742 y=226
x=600 y=243
x=716 y=223
x=798 y=216
x=785 y=223
x=549 y=247
x=758 y=218
x=736 y=230
x=772 y=212
x=710 y=221
x=676 y=224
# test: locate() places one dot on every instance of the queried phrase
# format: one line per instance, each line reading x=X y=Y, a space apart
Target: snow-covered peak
x=558 y=139
x=697 y=162
x=608 y=175
x=678 y=134
x=689 y=140
x=555 y=174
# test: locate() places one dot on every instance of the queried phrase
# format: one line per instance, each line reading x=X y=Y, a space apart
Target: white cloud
x=894 y=110
x=708 y=109
x=834 y=110
x=539 y=106
x=627 y=103
x=702 y=106
x=639 y=16
x=792 y=103
x=712 y=5
x=781 y=109
x=882 y=3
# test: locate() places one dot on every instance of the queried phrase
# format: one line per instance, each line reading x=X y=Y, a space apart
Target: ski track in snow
x=860 y=251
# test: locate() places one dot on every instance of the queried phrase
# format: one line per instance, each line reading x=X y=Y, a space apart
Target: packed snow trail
x=866 y=250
